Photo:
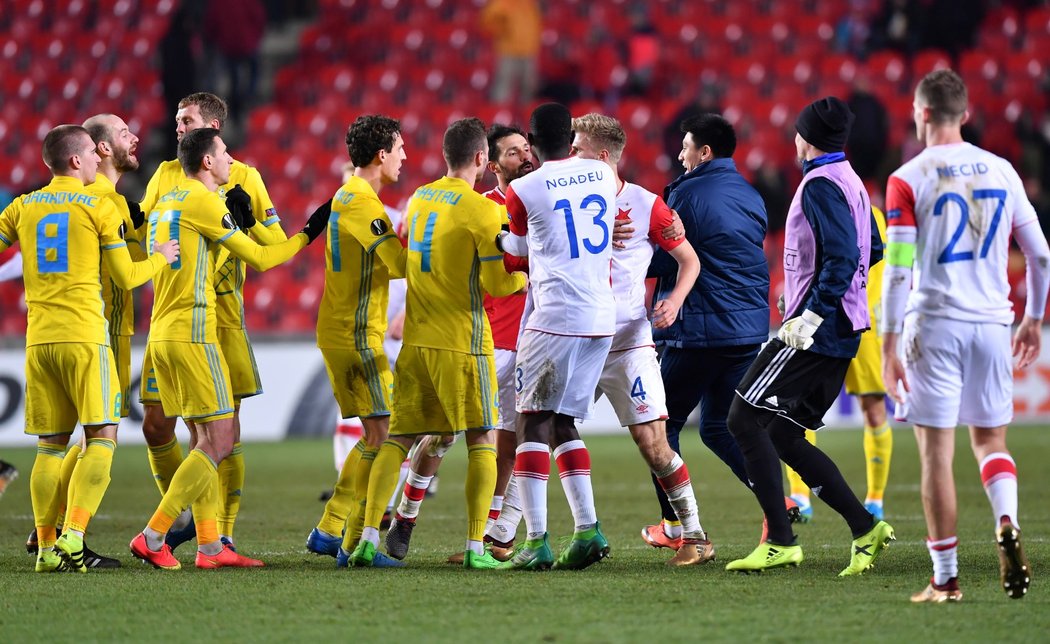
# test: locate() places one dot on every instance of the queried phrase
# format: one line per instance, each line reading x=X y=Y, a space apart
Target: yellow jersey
x=184 y=307
x=229 y=284
x=875 y=272
x=452 y=258
x=356 y=286
x=119 y=306
x=67 y=232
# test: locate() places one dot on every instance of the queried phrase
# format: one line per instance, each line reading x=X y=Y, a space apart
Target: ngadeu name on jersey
x=561 y=182
x=962 y=170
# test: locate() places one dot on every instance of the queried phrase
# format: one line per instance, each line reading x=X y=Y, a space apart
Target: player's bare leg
x=673 y=476
x=999 y=476
x=937 y=485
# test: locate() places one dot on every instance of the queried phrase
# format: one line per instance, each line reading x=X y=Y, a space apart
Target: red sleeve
x=659 y=219
x=900 y=203
x=519 y=218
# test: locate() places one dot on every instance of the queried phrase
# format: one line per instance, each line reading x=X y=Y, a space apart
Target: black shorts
x=798 y=385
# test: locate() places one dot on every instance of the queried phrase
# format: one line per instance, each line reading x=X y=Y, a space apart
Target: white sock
x=999 y=476
x=154 y=539
x=476 y=547
x=675 y=482
x=494 y=509
x=505 y=526
x=402 y=476
x=672 y=529
x=944 y=554
x=371 y=535
x=532 y=465
x=574 y=468
x=412 y=496
x=210 y=549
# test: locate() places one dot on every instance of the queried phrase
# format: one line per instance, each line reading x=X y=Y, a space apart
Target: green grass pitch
x=630 y=597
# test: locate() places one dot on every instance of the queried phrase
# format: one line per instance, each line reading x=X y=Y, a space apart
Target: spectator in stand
x=515 y=27
x=772 y=186
x=706 y=102
x=643 y=53
x=898 y=25
x=867 y=139
x=178 y=59
x=235 y=29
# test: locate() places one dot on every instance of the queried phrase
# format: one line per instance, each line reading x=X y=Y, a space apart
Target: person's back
x=567 y=208
x=964 y=202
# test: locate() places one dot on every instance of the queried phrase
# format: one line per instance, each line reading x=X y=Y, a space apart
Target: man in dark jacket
x=725 y=318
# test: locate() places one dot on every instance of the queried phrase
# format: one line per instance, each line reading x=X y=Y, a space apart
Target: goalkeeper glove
x=239 y=203
x=798 y=332
x=318 y=221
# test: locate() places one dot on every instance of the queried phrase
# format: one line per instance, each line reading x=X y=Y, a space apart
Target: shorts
x=507 y=420
x=67 y=382
x=361 y=381
x=192 y=380
x=798 y=385
x=865 y=370
x=633 y=383
x=559 y=373
x=121 y=347
x=149 y=392
x=443 y=392
x=240 y=363
x=959 y=372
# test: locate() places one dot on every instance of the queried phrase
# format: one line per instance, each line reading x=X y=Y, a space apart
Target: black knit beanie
x=825 y=124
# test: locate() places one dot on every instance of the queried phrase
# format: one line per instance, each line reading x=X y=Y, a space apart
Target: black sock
x=748 y=426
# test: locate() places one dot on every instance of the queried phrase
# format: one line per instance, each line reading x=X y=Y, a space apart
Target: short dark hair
x=211 y=106
x=194 y=146
x=550 y=127
x=497 y=133
x=944 y=92
x=60 y=145
x=714 y=131
x=463 y=139
x=368 y=135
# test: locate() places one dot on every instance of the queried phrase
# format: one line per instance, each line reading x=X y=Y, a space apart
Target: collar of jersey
x=824 y=159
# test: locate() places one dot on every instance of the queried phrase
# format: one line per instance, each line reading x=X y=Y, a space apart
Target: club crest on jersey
x=378 y=227
x=227 y=222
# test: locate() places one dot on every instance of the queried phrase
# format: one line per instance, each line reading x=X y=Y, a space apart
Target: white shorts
x=506 y=381
x=558 y=373
x=631 y=379
x=959 y=372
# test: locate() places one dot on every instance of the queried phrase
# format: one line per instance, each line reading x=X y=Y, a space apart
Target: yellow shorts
x=240 y=363
x=443 y=392
x=192 y=380
x=361 y=381
x=865 y=370
x=149 y=393
x=68 y=382
x=121 y=346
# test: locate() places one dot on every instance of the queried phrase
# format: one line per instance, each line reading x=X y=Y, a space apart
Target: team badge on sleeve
x=227 y=222
x=378 y=227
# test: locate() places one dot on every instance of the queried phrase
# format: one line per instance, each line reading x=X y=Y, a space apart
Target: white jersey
x=561 y=216
x=963 y=202
x=649 y=215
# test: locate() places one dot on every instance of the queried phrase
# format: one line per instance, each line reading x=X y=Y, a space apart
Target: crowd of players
x=523 y=305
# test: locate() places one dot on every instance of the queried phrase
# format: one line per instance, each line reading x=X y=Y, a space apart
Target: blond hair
x=603 y=130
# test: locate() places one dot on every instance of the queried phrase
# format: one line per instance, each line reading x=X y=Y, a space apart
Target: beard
x=123 y=161
x=521 y=171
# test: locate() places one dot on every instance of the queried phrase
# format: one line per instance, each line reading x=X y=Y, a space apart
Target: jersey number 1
x=422 y=247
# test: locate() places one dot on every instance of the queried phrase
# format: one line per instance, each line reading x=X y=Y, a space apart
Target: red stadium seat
x=929 y=60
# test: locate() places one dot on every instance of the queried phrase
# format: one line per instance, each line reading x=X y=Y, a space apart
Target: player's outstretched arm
x=126 y=272
x=516 y=240
x=666 y=310
x=263 y=258
x=496 y=281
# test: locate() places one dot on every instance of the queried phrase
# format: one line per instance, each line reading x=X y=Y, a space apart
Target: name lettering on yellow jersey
x=438 y=196
x=175 y=195
x=344 y=197
x=61 y=198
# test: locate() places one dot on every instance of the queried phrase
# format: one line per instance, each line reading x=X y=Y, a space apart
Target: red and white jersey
x=564 y=212
x=963 y=202
x=505 y=312
x=648 y=213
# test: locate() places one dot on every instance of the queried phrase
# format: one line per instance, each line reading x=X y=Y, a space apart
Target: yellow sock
x=481 y=481
x=794 y=480
x=878 y=448
x=382 y=479
x=206 y=510
x=69 y=463
x=231 y=482
x=89 y=483
x=338 y=507
x=359 y=484
x=43 y=489
x=164 y=461
x=195 y=474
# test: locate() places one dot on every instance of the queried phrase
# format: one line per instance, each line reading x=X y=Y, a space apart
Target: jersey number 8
x=52 y=243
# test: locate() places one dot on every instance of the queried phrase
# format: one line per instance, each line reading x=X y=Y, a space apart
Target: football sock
x=205 y=512
x=878 y=448
x=796 y=485
x=69 y=463
x=505 y=526
x=999 y=476
x=43 y=489
x=338 y=507
x=674 y=479
x=820 y=473
x=481 y=480
x=193 y=478
x=164 y=461
x=495 y=507
x=231 y=483
x=532 y=467
x=412 y=495
x=672 y=529
x=574 y=468
x=749 y=427
x=944 y=554
x=89 y=483
x=359 y=486
x=402 y=476
x=382 y=480
x=477 y=547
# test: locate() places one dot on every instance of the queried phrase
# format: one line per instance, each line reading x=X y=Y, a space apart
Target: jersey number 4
x=570 y=225
x=949 y=254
